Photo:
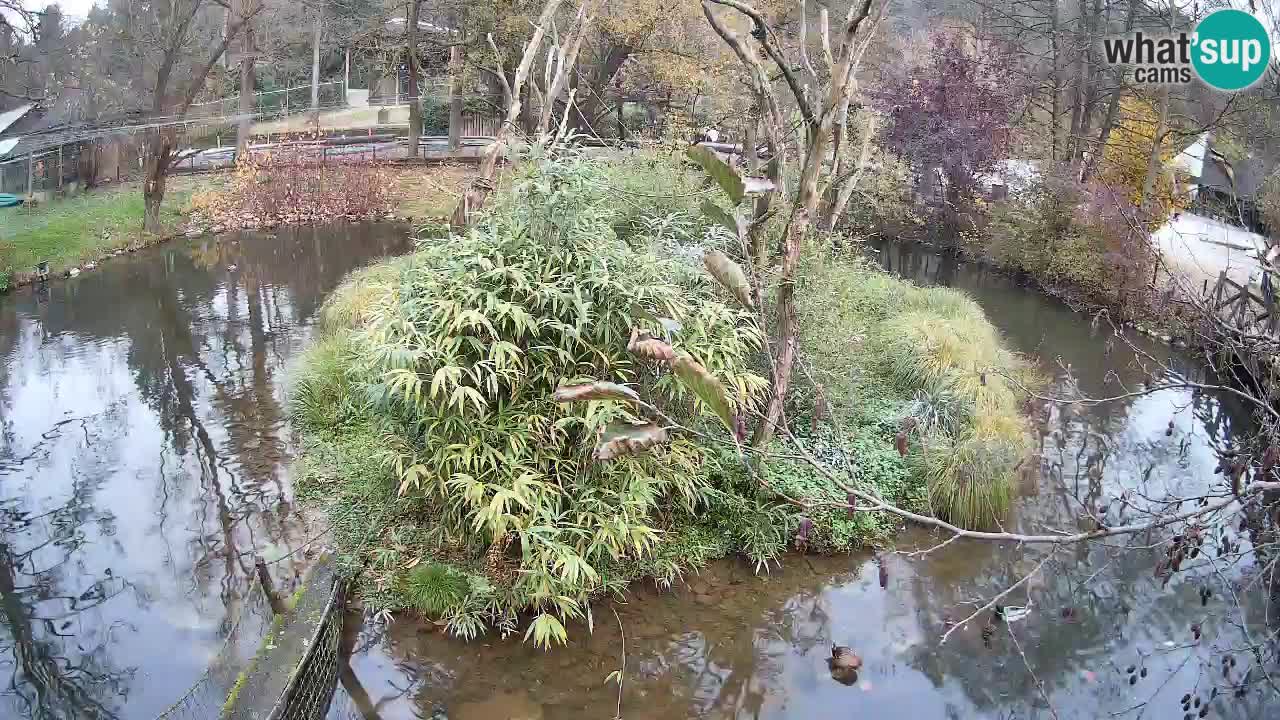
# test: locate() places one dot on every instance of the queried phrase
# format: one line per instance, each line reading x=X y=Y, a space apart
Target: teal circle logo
x=1232 y=50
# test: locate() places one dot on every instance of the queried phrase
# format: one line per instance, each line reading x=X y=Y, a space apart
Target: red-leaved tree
x=950 y=115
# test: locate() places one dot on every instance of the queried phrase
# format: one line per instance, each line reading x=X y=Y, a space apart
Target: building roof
x=1210 y=169
x=12 y=116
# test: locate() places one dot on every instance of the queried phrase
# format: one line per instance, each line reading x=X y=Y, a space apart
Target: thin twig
x=622 y=673
x=995 y=599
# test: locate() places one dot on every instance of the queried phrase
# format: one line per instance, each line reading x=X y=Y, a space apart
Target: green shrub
x=654 y=193
x=458 y=358
x=971 y=476
x=890 y=355
x=321 y=395
x=1082 y=240
x=443 y=363
x=435 y=588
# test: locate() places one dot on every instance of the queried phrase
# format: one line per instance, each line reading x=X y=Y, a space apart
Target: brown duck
x=844 y=658
x=843 y=664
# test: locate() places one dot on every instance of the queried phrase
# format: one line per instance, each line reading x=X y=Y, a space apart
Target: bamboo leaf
x=622 y=438
x=729 y=274
x=705 y=385
x=545 y=630
x=730 y=220
x=644 y=345
x=598 y=390
x=725 y=176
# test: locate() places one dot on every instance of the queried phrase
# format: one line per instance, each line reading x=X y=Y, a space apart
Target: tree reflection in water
x=143 y=450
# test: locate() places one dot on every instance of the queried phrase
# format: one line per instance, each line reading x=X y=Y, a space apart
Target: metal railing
x=275 y=103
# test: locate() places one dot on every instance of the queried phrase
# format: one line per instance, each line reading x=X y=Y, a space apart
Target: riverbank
x=468 y=494
x=284 y=191
x=75 y=234
x=83 y=230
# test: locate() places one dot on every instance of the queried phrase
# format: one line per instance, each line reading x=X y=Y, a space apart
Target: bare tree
x=184 y=58
x=819 y=111
x=512 y=90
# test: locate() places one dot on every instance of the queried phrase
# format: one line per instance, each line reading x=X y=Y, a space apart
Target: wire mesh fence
x=45 y=171
x=275 y=103
x=274 y=667
x=311 y=691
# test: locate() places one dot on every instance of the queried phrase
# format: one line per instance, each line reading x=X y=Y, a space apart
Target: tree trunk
x=843 y=190
x=792 y=240
x=248 y=81
x=525 y=116
x=565 y=60
x=1078 y=86
x=415 y=107
x=1153 y=159
x=1055 y=105
x=315 y=66
x=591 y=98
x=1113 y=106
x=455 y=97
x=155 y=174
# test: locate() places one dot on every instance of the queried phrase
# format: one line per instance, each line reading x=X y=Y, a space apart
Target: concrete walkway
x=1203 y=248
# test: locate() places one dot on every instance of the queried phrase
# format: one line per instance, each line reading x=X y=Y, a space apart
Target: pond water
x=143 y=461
x=732 y=644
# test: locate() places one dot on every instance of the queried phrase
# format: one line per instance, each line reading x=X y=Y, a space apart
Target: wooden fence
x=1242 y=309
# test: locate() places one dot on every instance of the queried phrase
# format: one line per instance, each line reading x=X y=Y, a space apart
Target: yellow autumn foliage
x=1128 y=151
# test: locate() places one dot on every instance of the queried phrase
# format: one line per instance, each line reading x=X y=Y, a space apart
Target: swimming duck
x=843 y=658
x=843 y=664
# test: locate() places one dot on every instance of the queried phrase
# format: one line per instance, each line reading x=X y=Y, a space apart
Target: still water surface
x=144 y=461
x=731 y=644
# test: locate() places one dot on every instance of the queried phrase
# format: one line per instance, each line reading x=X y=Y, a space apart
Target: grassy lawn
x=79 y=229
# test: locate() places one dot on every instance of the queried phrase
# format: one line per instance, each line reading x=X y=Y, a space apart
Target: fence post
x=31 y=174
x=61 y=171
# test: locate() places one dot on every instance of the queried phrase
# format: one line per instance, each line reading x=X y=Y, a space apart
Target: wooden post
x=61 y=172
x=31 y=174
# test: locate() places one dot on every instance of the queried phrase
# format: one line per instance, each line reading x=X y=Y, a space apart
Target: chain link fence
x=311 y=689
x=275 y=103
x=49 y=170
